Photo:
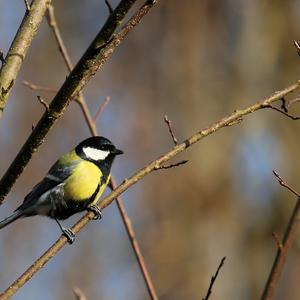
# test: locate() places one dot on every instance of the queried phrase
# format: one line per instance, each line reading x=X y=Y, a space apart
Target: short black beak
x=117 y=152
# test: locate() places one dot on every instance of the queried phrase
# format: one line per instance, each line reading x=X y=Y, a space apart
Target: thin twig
x=170 y=166
x=101 y=108
x=88 y=65
x=53 y=25
x=134 y=244
x=284 y=112
x=277 y=240
x=213 y=279
x=297 y=45
x=171 y=130
x=285 y=185
x=78 y=293
x=44 y=103
x=91 y=124
x=19 y=47
x=284 y=245
x=36 y=87
x=110 y=9
x=27 y=5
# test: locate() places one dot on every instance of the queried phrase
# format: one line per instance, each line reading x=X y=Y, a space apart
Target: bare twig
x=78 y=293
x=44 y=103
x=93 y=59
x=171 y=130
x=170 y=166
x=297 y=45
x=52 y=23
x=283 y=246
x=285 y=185
x=36 y=87
x=277 y=240
x=101 y=108
x=213 y=279
x=110 y=9
x=27 y=5
x=134 y=244
x=284 y=112
x=19 y=47
x=91 y=124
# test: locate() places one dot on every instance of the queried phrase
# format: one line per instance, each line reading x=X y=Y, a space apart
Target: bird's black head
x=98 y=150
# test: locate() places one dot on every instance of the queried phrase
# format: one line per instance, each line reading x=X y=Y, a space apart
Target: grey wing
x=55 y=178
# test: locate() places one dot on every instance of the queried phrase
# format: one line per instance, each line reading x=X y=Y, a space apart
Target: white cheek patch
x=95 y=154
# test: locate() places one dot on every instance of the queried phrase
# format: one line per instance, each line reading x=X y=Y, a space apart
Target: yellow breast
x=83 y=182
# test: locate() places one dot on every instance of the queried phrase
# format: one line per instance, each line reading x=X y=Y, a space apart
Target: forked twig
x=284 y=111
x=283 y=246
x=44 y=103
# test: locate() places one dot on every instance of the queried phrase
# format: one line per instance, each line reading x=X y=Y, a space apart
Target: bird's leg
x=68 y=233
x=96 y=210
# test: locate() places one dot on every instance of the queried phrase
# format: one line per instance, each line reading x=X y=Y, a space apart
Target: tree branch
x=134 y=244
x=284 y=246
x=93 y=129
x=19 y=48
x=93 y=59
x=198 y=136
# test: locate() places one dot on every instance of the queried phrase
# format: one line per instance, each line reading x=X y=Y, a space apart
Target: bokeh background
x=195 y=61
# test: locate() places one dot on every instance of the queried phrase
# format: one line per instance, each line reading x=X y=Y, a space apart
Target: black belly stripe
x=92 y=198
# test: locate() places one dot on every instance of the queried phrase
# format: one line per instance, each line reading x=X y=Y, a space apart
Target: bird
x=73 y=184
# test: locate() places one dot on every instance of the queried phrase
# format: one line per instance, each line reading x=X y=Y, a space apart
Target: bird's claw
x=96 y=210
x=69 y=234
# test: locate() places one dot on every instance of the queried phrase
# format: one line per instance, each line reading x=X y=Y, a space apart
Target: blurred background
x=195 y=61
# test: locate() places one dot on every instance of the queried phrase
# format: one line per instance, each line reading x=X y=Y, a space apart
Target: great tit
x=73 y=184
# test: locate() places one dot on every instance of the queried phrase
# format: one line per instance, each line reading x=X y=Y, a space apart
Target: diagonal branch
x=284 y=246
x=19 y=47
x=92 y=126
x=93 y=59
x=198 y=136
x=213 y=279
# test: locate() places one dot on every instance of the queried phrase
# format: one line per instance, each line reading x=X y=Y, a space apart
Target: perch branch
x=93 y=129
x=283 y=246
x=19 y=48
x=198 y=136
x=93 y=59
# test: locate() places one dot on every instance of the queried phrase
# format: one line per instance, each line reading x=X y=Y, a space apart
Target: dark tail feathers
x=16 y=215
